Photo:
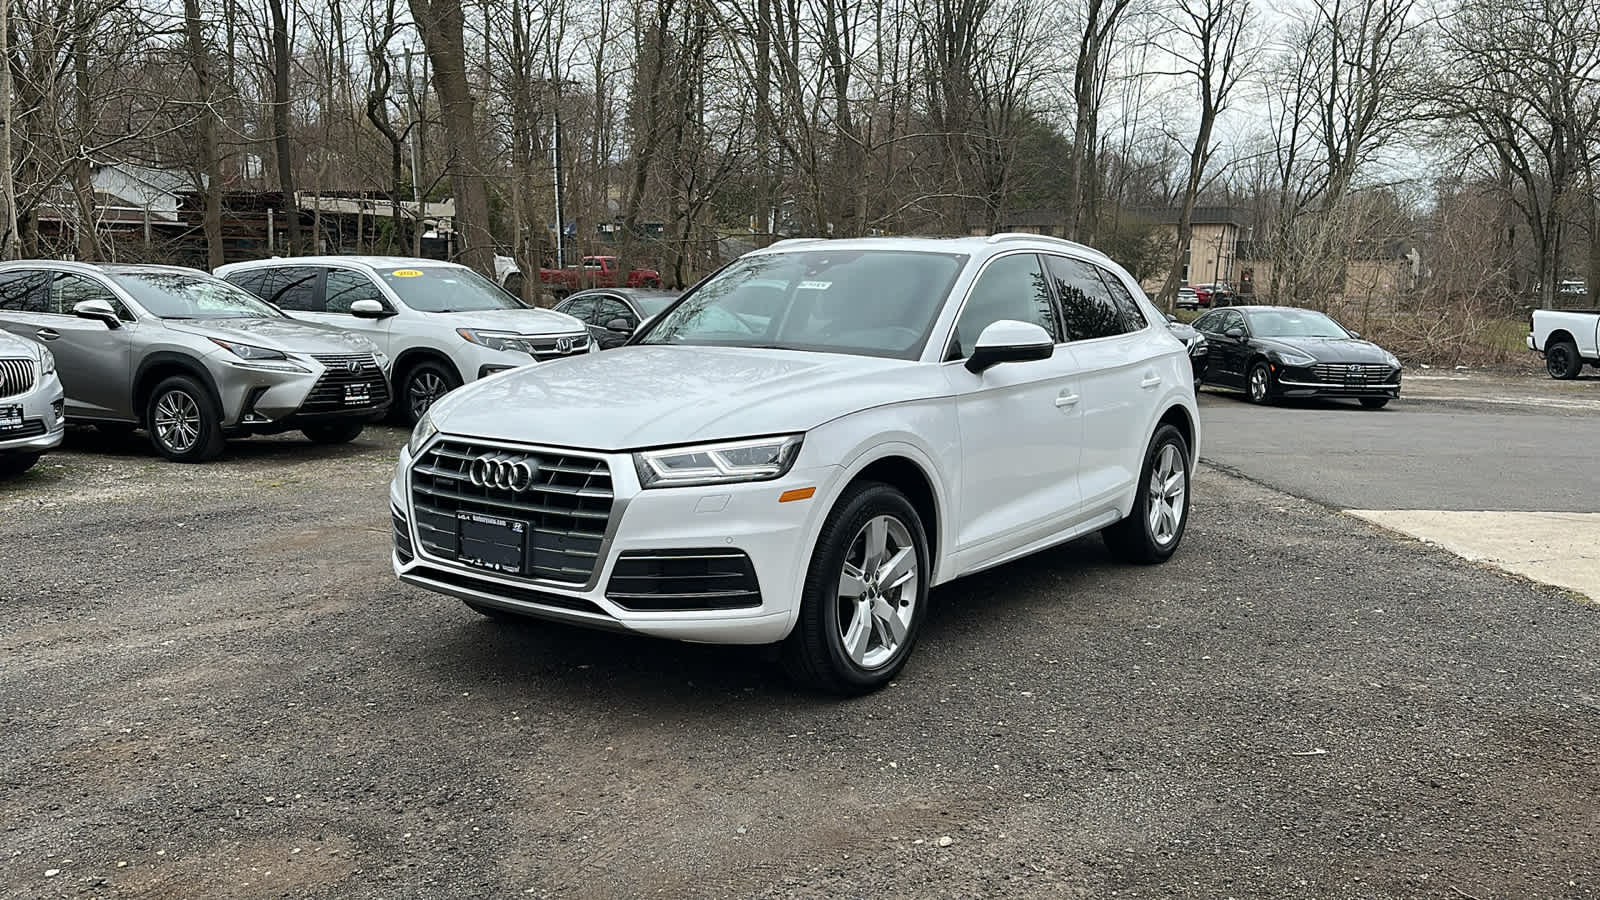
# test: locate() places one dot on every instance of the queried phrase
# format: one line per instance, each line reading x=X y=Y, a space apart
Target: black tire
x=1264 y=392
x=417 y=388
x=14 y=464
x=814 y=654
x=494 y=612
x=1374 y=402
x=1561 y=360
x=199 y=437
x=333 y=432
x=1135 y=539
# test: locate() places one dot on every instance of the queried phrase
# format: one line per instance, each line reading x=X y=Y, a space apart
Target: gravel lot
x=212 y=686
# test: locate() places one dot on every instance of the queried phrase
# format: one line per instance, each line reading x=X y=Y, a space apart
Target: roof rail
x=787 y=241
x=1024 y=236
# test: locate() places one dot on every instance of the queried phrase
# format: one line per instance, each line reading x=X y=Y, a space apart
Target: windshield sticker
x=406 y=273
x=815 y=285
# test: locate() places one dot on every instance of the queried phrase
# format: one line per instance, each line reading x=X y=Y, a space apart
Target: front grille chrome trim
x=17 y=377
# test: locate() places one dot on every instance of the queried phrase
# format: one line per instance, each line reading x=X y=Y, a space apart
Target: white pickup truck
x=1568 y=338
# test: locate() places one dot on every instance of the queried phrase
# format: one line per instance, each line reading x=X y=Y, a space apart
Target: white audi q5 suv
x=805 y=443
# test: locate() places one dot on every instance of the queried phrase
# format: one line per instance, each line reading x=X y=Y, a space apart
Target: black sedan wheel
x=1260 y=384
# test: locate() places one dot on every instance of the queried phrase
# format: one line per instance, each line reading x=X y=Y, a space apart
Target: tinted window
x=581 y=309
x=23 y=292
x=1012 y=287
x=68 y=290
x=607 y=309
x=345 y=287
x=1086 y=305
x=1211 y=322
x=292 y=288
x=1132 y=316
x=865 y=302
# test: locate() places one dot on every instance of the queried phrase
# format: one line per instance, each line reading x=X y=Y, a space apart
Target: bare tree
x=442 y=26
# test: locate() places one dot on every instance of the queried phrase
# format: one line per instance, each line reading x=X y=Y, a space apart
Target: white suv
x=805 y=443
x=442 y=324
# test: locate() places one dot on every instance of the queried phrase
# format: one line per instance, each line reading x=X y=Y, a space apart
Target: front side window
x=68 y=289
x=446 y=289
x=862 y=302
x=345 y=287
x=1086 y=305
x=180 y=295
x=581 y=309
x=608 y=310
x=1294 y=323
x=1012 y=287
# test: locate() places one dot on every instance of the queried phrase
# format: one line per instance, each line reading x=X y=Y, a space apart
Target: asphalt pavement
x=212 y=686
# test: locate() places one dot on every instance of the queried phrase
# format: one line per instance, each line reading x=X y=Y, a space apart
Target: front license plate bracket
x=492 y=542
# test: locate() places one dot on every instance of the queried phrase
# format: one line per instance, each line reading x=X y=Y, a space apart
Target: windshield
x=1281 y=323
x=179 y=295
x=447 y=289
x=862 y=302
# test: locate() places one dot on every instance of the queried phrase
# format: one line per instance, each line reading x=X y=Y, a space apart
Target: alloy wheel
x=1258 y=383
x=177 y=421
x=1168 y=484
x=878 y=592
x=423 y=389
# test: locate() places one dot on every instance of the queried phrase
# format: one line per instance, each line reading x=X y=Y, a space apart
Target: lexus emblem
x=502 y=472
x=563 y=345
x=353 y=366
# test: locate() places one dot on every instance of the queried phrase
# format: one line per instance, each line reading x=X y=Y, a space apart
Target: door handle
x=1066 y=399
x=47 y=334
x=1150 y=381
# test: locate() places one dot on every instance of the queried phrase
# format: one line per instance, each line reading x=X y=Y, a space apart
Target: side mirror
x=99 y=310
x=370 y=309
x=619 y=324
x=1236 y=333
x=1008 y=341
x=1171 y=317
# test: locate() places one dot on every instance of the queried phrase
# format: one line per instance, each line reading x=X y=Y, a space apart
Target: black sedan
x=614 y=314
x=1273 y=352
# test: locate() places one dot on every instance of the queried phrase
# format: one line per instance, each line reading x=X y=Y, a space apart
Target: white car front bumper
x=672 y=527
x=43 y=418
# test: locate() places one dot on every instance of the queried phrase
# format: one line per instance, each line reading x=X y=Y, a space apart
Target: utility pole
x=561 y=258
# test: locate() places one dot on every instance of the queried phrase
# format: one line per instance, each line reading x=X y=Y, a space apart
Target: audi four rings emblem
x=564 y=345
x=506 y=473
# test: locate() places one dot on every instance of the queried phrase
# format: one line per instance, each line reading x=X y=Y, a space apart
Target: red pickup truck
x=593 y=271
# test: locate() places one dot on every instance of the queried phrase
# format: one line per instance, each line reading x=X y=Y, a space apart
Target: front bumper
x=740 y=521
x=43 y=418
x=263 y=401
x=1305 y=382
x=477 y=361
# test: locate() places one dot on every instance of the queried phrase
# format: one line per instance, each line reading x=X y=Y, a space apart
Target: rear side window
x=1132 y=316
x=291 y=288
x=23 y=292
x=1012 y=287
x=1087 y=308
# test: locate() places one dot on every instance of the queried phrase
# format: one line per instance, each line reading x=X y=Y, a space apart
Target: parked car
x=31 y=405
x=191 y=358
x=1216 y=294
x=1273 y=352
x=442 y=324
x=614 y=314
x=1194 y=342
x=590 y=272
x=1188 y=298
x=911 y=411
x=1567 y=338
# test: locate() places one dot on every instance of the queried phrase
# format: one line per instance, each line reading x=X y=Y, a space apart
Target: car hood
x=289 y=335
x=651 y=396
x=14 y=347
x=1329 y=350
x=520 y=321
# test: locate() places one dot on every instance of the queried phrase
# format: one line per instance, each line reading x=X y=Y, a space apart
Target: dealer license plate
x=357 y=394
x=10 y=418
x=490 y=542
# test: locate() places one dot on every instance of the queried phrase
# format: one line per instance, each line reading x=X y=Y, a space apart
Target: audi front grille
x=566 y=507
x=328 y=394
x=16 y=377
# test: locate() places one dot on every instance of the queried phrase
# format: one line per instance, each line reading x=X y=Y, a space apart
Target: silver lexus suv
x=190 y=358
x=30 y=404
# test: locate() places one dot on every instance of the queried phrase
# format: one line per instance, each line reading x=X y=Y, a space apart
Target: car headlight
x=762 y=459
x=47 y=362
x=260 y=357
x=1196 y=344
x=496 y=340
x=419 y=435
x=1391 y=359
x=1290 y=358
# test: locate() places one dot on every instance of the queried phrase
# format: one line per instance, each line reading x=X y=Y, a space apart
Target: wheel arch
x=1179 y=417
x=165 y=364
x=411 y=356
x=1558 y=336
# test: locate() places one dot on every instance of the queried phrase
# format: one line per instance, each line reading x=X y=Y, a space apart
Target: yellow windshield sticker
x=406 y=273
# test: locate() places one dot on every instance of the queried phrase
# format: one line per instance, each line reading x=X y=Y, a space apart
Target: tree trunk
x=8 y=189
x=280 y=123
x=82 y=177
x=210 y=159
x=440 y=23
